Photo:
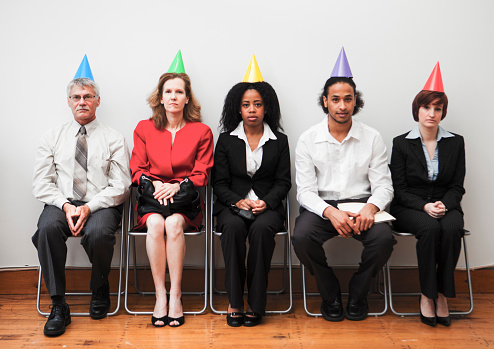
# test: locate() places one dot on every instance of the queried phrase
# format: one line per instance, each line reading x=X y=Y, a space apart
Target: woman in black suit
x=251 y=176
x=428 y=169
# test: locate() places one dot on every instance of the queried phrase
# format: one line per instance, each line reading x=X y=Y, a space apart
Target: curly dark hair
x=359 y=103
x=230 y=117
x=425 y=97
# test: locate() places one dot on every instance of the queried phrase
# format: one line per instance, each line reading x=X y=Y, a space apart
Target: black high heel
x=180 y=320
x=429 y=321
x=163 y=319
x=443 y=320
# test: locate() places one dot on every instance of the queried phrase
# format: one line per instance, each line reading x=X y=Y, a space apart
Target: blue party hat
x=84 y=70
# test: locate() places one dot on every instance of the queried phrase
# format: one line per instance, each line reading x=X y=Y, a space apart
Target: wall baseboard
x=25 y=281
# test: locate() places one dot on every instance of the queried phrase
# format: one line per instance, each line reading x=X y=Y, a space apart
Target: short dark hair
x=230 y=117
x=424 y=98
x=359 y=102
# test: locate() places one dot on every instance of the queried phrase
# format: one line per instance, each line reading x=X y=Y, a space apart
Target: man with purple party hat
x=82 y=175
x=339 y=161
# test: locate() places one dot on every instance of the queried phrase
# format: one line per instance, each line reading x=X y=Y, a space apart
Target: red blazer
x=191 y=154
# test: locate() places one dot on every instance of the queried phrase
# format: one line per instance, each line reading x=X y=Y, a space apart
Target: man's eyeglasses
x=86 y=98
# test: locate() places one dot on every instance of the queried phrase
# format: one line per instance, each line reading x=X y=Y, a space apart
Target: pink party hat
x=341 y=68
x=435 y=81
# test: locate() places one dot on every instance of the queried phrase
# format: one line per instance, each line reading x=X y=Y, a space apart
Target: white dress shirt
x=253 y=157
x=108 y=173
x=353 y=169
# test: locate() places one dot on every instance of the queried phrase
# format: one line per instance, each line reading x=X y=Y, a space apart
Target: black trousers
x=311 y=231
x=98 y=239
x=260 y=232
x=438 y=248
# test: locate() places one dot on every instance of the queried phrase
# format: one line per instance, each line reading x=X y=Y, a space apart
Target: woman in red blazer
x=170 y=145
x=428 y=169
x=251 y=173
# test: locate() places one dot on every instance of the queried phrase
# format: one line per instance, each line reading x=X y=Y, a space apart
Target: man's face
x=340 y=102
x=84 y=109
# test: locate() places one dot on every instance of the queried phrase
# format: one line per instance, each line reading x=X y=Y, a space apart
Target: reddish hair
x=424 y=98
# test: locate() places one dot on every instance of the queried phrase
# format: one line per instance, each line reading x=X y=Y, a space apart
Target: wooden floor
x=22 y=327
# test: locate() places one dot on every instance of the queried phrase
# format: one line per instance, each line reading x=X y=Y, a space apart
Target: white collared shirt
x=108 y=173
x=432 y=165
x=353 y=169
x=253 y=157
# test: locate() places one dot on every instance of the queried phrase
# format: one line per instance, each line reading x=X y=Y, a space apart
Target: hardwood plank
x=22 y=327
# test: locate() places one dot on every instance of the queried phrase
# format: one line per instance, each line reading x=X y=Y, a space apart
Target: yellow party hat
x=253 y=74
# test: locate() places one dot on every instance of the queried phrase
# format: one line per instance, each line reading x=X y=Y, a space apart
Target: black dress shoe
x=58 y=319
x=235 y=319
x=252 y=319
x=100 y=302
x=443 y=320
x=429 y=321
x=332 y=311
x=357 y=310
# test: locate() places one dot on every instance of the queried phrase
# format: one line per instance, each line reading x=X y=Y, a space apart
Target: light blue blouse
x=432 y=165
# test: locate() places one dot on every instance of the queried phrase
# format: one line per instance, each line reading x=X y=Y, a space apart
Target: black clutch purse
x=187 y=201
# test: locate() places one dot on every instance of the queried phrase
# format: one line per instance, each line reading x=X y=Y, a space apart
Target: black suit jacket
x=271 y=182
x=409 y=173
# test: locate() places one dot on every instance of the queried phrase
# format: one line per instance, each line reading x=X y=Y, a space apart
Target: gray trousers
x=311 y=231
x=98 y=239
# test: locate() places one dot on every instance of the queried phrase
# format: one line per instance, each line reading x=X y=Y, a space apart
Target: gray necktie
x=80 y=167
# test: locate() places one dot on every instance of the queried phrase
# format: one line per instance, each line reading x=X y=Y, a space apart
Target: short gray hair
x=82 y=82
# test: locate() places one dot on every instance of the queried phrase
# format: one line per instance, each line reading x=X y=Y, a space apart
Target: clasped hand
x=257 y=206
x=435 y=209
x=165 y=191
x=348 y=223
x=76 y=217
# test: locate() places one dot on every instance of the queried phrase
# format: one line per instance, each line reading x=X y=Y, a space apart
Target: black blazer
x=271 y=182
x=409 y=173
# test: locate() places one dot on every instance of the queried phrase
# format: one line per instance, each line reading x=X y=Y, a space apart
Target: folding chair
x=120 y=266
x=287 y=263
x=131 y=235
x=470 y=292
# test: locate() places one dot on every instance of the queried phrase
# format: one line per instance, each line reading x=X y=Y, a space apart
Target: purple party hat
x=341 y=68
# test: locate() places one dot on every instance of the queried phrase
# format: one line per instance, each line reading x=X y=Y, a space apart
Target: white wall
x=392 y=47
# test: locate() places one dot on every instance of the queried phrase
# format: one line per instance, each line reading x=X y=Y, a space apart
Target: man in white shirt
x=342 y=160
x=87 y=204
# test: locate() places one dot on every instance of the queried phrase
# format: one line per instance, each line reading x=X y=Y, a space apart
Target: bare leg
x=156 y=249
x=442 y=306
x=175 y=251
x=427 y=306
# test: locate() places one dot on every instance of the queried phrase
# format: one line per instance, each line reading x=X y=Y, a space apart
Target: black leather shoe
x=58 y=319
x=357 y=310
x=100 y=302
x=235 y=319
x=429 y=321
x=332 y=311
x=252 y=319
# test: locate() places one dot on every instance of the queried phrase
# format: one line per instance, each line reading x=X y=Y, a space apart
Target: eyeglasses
x=86 y=98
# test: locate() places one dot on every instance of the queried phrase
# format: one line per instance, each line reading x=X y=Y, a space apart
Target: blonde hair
x=192 y=110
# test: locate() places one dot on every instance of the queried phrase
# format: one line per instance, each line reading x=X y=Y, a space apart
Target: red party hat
x=435 y=81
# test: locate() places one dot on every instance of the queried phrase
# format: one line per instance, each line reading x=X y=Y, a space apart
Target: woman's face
x=252 y=109
x=174 y=97
x=430 y=115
